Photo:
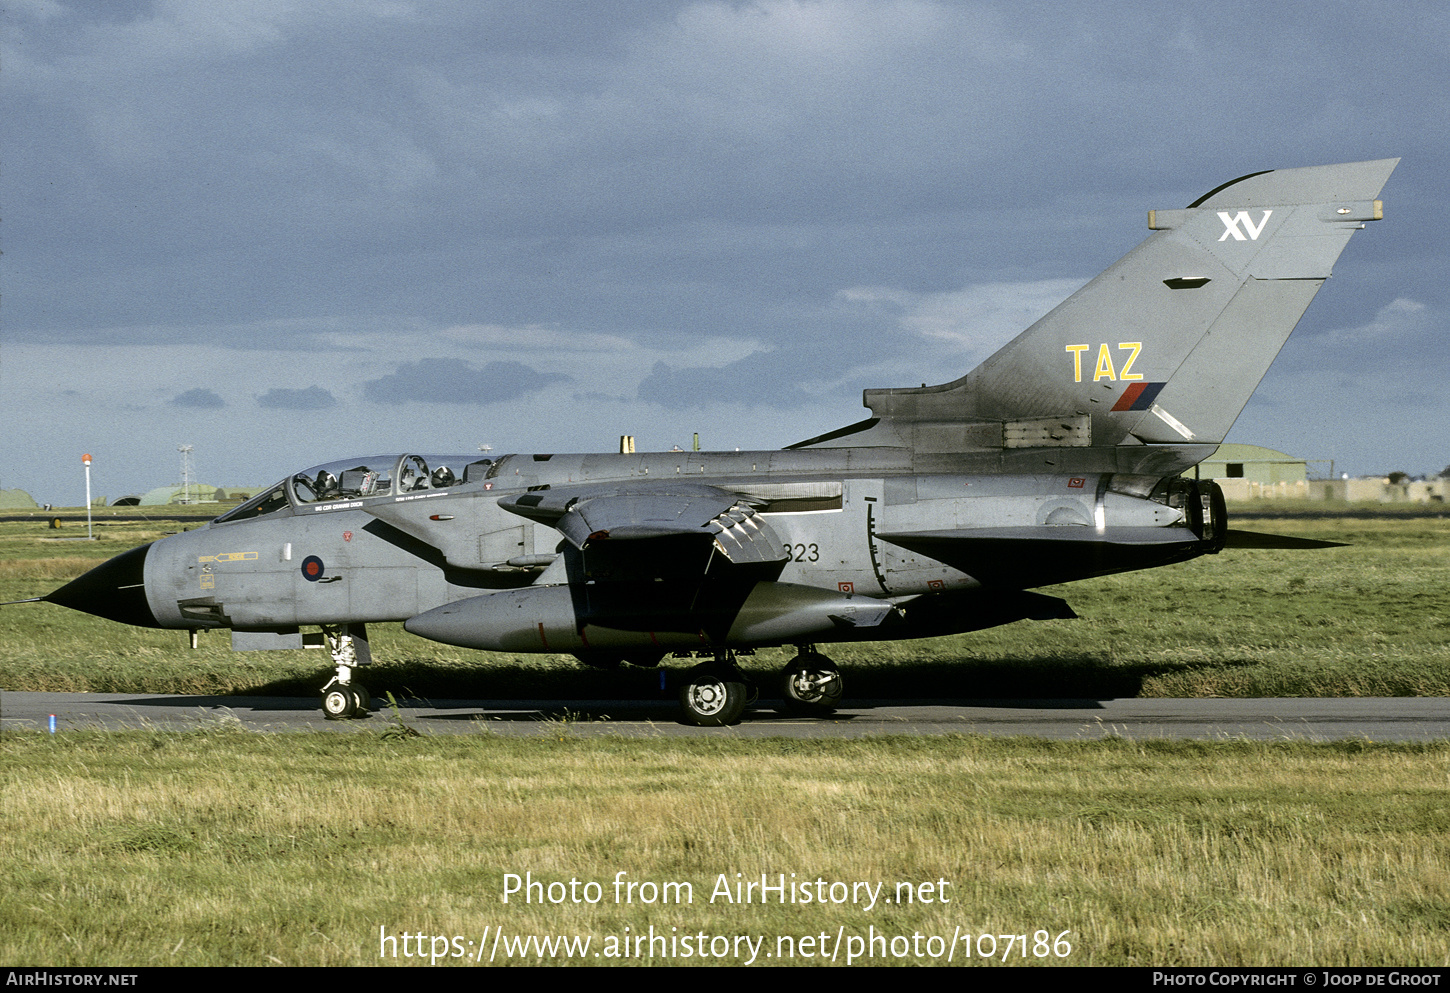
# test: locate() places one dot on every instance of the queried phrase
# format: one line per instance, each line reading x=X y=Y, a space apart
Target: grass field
x=226 y=847
x=221 y=847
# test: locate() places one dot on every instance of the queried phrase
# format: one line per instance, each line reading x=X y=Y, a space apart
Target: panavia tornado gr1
x=1058 y=458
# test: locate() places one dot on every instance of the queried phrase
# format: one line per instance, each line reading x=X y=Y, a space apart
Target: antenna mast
x=185 y=451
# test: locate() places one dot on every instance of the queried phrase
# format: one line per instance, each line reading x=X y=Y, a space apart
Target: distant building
x=1379 y=489
x=164 y=495
x=1253 y=464
x=17 y=500
x=200 y=493
x=238 y=494
x=1250 y=472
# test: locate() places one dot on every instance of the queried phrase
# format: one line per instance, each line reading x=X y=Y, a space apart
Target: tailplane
x=1164 y=348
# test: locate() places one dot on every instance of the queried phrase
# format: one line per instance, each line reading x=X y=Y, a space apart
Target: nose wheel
x=811 y=685
x=341 y=701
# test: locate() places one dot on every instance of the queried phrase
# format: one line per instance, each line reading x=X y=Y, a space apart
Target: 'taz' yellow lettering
x=1136 y=346
x=1104 y=368
x=1077 y=351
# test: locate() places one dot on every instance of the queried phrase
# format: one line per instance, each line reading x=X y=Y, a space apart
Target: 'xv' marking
x=1231 y=225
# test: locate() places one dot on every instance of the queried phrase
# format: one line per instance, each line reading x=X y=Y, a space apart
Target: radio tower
x=185 y=451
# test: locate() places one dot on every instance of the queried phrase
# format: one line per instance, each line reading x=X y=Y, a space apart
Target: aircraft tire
x=362 y=699
x=339 y=703
x=811 y=685
x=713 y=696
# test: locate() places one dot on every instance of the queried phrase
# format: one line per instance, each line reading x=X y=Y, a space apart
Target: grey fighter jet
x=1058 y=458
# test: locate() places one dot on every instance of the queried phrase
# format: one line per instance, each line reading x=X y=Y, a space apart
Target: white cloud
x=1399 y=318
x=973 y=321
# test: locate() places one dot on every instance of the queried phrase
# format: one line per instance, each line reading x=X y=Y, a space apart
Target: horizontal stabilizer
x=1254 y=540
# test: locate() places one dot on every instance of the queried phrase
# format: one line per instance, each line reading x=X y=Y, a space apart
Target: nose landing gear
x=342 y=698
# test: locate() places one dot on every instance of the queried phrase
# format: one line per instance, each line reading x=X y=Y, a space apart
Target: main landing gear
x=715 y=694
x=341 y=697
x=811 y=685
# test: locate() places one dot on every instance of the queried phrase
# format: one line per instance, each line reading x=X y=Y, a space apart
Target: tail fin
x=1165 y=347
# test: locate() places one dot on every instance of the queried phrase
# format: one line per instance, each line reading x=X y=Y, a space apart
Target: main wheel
x=338 y=702
x=811 y=685
x=713 y=695
x=362 y=700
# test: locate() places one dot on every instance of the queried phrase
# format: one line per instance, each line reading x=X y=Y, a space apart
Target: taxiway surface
x=1369 y=718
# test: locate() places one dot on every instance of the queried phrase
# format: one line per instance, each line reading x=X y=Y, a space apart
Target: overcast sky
x=289 y=232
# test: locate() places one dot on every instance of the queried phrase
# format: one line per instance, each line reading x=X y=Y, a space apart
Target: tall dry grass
x=223 y=847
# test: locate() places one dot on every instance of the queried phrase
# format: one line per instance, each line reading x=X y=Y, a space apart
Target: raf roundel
x=312 y=568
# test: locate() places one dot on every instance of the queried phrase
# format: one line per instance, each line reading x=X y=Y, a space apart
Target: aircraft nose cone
x=115 y=589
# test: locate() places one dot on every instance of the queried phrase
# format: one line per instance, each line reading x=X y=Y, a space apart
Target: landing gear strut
x=811 y=684
x=714 y=693
x=341 y=697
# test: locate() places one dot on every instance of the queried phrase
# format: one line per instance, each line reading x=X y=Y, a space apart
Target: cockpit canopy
x=346 y=480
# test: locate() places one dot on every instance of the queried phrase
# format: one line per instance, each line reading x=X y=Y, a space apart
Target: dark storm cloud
x=198 y=399
x=450 y=381
x=309 y=178
x=312 y=398
x=754 y=380
x=798 y=373
x=556 y=162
